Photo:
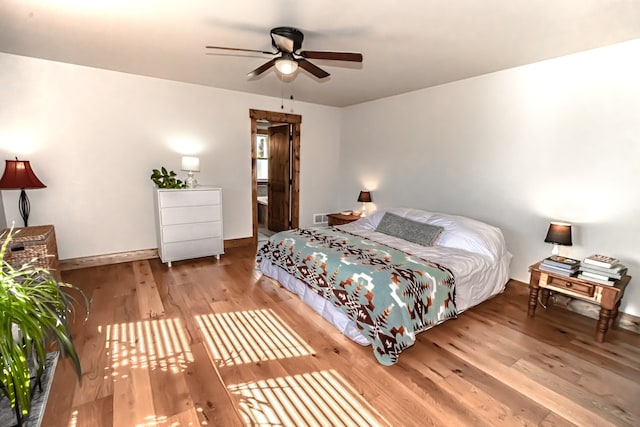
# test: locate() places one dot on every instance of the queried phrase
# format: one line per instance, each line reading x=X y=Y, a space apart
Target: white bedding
x=475 y=253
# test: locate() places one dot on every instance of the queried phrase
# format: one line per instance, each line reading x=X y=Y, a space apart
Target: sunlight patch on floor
x=250 y=336
x=148 y=344
x=321 y=398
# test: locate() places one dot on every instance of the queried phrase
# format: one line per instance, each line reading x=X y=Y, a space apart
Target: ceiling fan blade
x=261 y=69
x=334 y=56
x=241 y=50
x=316 y=71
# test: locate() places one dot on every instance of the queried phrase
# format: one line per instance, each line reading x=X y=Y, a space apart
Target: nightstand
x=607 y=297
x=340 y=219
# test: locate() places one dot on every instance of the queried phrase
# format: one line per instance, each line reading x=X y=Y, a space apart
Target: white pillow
x=469 y=234
x=459 y=232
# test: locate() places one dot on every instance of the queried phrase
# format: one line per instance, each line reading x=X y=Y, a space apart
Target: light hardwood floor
x=212 y=343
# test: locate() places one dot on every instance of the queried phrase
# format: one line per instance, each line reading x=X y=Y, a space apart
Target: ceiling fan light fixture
x=287 y=43
x=286 y=66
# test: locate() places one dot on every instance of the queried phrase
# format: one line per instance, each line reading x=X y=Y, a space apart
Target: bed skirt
x=323 y=307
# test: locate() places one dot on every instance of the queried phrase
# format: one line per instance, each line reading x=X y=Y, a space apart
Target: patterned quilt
x=390 y=294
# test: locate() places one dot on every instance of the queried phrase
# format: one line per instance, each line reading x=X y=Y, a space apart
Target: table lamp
x=559 y=233
x=191 y=165
x=364 y=197
x=18 y=175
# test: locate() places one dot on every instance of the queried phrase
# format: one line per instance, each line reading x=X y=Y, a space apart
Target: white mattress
x=478 y=276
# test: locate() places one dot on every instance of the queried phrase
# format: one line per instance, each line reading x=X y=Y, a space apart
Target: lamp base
x=24 y=207
x=555 y=250
x=190 y=182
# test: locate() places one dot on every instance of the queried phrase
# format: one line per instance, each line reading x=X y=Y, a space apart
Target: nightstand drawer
x=573 y=286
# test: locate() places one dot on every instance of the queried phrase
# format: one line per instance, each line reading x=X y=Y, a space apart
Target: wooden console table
x=606 y=296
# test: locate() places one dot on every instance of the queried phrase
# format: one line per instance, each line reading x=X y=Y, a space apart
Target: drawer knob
x=569 y=285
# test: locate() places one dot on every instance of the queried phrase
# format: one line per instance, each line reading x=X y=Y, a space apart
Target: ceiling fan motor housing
x=290 y=33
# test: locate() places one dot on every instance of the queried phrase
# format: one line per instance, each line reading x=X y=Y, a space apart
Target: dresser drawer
x=191 y=249
x=573 y=286
x=184 y=232
x=188 y=215
x=176 y=198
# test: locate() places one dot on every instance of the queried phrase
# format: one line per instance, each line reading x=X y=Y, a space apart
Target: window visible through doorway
x=262 y=157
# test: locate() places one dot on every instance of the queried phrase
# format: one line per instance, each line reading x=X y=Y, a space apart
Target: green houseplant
x=34 y=309
x=166 y=179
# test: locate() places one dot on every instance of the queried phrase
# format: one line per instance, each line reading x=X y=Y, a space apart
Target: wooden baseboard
x=98 y=260
x=235 y=243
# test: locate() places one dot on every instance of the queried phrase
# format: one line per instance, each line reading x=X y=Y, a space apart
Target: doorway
x=279 y=210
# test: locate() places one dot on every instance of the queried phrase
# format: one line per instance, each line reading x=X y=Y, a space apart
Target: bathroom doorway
x=275 y=170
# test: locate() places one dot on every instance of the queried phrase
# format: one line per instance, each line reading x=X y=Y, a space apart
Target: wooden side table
x=341 y=219
x=606 y=296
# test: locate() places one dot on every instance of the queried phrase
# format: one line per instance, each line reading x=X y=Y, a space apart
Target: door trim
x=274 y=117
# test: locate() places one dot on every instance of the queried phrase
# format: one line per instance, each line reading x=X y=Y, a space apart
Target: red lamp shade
x=18 y=175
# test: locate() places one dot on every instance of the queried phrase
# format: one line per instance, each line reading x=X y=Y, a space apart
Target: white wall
x=517 y=148
x=93 y=136
x=556 y=140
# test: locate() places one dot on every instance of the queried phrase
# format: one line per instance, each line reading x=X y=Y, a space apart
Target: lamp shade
x=559 y=233
x=19 y=175
x=191 y=164
x=364 y=197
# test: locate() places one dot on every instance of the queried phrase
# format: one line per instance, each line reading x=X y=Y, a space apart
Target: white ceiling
x=407 y=45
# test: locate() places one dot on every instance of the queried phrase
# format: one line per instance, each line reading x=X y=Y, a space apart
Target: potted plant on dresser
x=34 y=309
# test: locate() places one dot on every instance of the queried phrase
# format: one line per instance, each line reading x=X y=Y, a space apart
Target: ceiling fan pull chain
x=281 y=95
x=291 y=83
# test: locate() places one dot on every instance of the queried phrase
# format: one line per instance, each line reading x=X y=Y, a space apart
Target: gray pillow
x=416 y=232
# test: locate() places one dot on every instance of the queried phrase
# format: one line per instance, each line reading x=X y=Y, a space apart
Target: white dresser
x=189 y=223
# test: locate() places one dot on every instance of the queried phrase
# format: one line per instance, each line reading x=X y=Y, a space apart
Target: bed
x=389 y=276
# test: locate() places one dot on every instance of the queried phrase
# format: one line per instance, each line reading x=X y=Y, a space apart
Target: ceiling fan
x=288 y=41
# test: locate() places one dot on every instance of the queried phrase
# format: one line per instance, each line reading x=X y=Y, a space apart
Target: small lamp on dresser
x=559 y=233
x=190 y=165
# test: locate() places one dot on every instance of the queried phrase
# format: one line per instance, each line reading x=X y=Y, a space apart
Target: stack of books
x=560 y=265
x=601 y=269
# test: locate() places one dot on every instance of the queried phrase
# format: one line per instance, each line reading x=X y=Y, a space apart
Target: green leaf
x=166 y=179
x=32 y=300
